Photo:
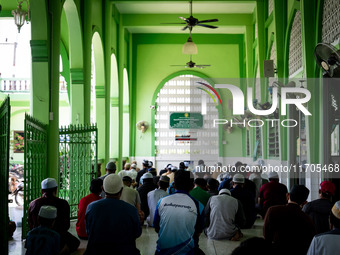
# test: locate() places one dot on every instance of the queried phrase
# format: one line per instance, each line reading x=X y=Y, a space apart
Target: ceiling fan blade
x=185 y=28
x=175 y=23
x=182 y=18
x=207 y=20
x=208 y=26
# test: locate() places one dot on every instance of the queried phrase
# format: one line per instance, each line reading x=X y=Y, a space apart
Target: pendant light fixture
x=189 y=47
x=20 y=15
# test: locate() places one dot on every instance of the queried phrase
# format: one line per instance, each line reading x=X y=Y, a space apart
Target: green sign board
x=186 y=120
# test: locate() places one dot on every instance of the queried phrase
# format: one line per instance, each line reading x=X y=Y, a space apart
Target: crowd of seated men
x=182 y=204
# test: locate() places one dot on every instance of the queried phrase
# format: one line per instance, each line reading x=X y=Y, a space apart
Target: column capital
x=39 y=50
x=77 y=75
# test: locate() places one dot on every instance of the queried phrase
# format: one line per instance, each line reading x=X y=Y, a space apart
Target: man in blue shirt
x=112 y=224
x=42 y=239
x=178 y=219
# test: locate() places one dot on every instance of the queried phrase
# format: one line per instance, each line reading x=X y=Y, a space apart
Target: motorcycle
x=16 y=189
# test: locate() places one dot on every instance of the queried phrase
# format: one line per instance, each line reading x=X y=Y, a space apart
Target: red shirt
x=83 y=203
x=273 y=193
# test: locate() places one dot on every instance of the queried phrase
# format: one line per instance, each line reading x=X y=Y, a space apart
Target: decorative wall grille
x=181 y=94
x=248 y=143
x=35 y=164
x=295 y=45
x=77 y=163
x=270 y=7
x=258 y=143
x=272 y=53
x=331 y=21
x=273 y=140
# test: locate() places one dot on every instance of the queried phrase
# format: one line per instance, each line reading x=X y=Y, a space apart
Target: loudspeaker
x=268 y=68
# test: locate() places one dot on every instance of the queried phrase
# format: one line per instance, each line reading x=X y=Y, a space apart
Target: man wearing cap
x=132 y=172
x=155 y=195
x=42 y=240
x=68 y=242
x=171 y=173
x=319 y=209
x=248 y=202
x=287 y=226
x=178 y=219
x=145 y=164
x=95 y=188
x=272 y=193
x=227 y=183
x=125 y=171
x=110 y=169
x=223 y=217
x=328 y=243
x=143 y=191
x=167 y=168
x=112 y=224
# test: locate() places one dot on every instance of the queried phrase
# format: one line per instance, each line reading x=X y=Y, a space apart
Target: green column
x=53 y=130
x=121 y=62
x=100 y=119
x=40 y=96
x=280 y=21
x=77 y=95
x=261 y=44
x=114 y=124
x=40 y=91
x=87 y=33
x=107 y=56
x=308 y=17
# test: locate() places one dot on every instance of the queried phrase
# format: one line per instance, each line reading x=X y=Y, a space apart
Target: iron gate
x=35 y=163
x=77 y=163
x=5 y=114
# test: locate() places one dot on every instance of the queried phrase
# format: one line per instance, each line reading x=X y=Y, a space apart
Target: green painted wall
x=153 y=65
x=147 y=58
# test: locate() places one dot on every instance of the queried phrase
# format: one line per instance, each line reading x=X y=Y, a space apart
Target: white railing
x=24 y=84
x=15 y=84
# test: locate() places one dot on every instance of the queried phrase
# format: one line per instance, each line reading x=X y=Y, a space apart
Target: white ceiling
x=178 y=30
x=175 y=7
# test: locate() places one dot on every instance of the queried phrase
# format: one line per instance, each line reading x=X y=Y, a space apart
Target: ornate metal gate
x=35 y=164
x=5 y=114
x=77 y=163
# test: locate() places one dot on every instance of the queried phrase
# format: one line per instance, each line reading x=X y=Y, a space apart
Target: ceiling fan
x=328 y=58
x=191 y=21
x=192 y=64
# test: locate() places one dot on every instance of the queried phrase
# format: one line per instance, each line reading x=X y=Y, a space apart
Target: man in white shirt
x=125 y=171
x=178 y=219
x=328 y=243
x=155 y=195
x=132 y=172
x=224 y=217
x=130 y=195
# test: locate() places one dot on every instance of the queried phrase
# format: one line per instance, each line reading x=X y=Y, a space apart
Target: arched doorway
x=98 y=106
x=182 y=100
x=72 y=37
